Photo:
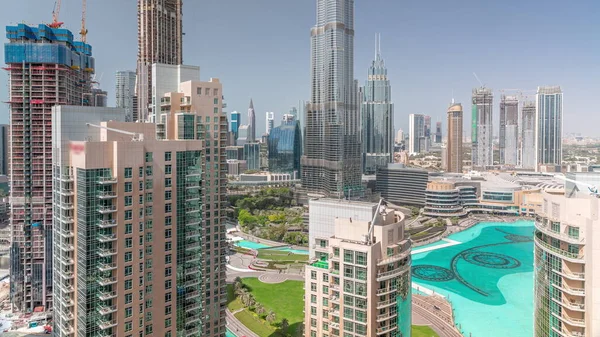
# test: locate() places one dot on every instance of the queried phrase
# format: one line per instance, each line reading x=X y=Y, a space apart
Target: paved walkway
x=237 y=327
x=438 y=312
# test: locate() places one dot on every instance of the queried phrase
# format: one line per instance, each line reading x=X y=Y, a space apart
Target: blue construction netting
x=46 y=53
x=43 y=32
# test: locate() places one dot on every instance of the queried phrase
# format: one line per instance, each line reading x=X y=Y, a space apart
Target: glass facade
x=549 y=125
x=285 y=147
x=252 y=155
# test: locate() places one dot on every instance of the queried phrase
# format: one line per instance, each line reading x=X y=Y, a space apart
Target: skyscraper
x=4 y=148
x=285 y=146
x=235 y=123
x=428 y=128
x=400 y=136
x=528 y=136
x=549 y=120
x=160 y=24
x=377 y=113
x=509 y=130
x=269 y=122
x=46 y=67
x=482 y=131
x=438 y=132
x=331 y=163
x=416 y=134
x=125 y=92
x=454 y=147
x=251 y=123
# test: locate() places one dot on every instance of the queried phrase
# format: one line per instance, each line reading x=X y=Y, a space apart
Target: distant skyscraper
x=509 y=130
x=301 y=117
x=428 y=127
x=252 y=155
x=4 y=147
x=251 y=123
x=416 y=134
x=438 y=132
x=482 y=133
x=331 y=163
x=377 y=113
x=46 y=67
x=98 y=98
x=125 y=92
x=528 y=136
x=285 y=146
x=269 y=122
x=243 y=132
x=235 y=123
x=549 y=120
x=454 y=146
x=399 y=136
x=160 y=31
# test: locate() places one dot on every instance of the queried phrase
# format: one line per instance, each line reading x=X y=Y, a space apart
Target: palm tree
x=251 y=300
x=240 y=291
x=285 y=325
x=259 y=309
x=245 y=298
x=270 y=317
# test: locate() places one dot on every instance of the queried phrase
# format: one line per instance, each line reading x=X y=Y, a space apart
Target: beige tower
x=159 y=41
x=454 y=147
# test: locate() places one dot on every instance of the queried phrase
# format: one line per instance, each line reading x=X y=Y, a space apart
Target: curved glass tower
x=377 y=113
x=285 y=146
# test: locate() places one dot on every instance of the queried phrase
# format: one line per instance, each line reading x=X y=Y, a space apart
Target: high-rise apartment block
x=528 y=152
x=377 y=114
x=417 y=143
x=269 y=122
x=251 y=123
x=566 y=260
x=46 y=67
x=549 y=122
x=331 y=163
x=509 y=130
x=195 y=111
x=125 y=92
x=359 y=282
x=482 y=131
x=168 y=78
x=438 y=133
x=428 y=128
x=160 y=37
x=454 y=146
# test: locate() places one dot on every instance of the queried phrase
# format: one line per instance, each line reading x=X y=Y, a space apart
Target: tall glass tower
x=377 y=113
x=331 y=164
x=548 y=133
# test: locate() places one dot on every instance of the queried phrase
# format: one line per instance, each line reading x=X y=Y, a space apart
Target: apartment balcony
x=575 y=306
x=386 y=275
x=66 y=178
x=65 y=315
x=107 y=180
x=66 y=261
x=165 y=101
x=385 y=291
x=571 y=291
x=103 y=325
x=576 y=322
x=561 y=236
x=67 y=247
x=107 y=281
x=66 y=233
x=192 y=332
x=65 y=192
x=571 y=257
x=107 y=266
x=67 y=328
x=105 y=310
x=107 y=223
x=192 y=307
x=65 y=302
x=566 y=333
x=66 y=219
x=104 y=238
x=103 y=296
x=385 y=304
x=386 y=316
x=104 y=195
x=395 y=258
x=192 y=282
x=107 y=252
x=570 y=275
x=386 y=329
x=67 y=275
x=66 y=206
x=107 y=209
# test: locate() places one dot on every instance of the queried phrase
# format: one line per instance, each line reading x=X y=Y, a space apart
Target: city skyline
x=434 y=75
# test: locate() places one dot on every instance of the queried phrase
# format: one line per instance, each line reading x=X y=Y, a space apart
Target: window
x=313 y=286
x=148 y=210
x=168 y=221
x=128 y=312
x=128 y=214
x=128 y=172
x=141 y=171
x=336 y=251
x=128 y=228
x=168 y=310
x=149 y=171
x=216 y=110
x=168 y=284
x=128 y=326
x=140 y=185
x=556 y=227
x=168 y=297
x=216 y=101
x=167 y=322
x=167 y=169
x=168 y=246
x=207 y=91
x=168 y=208
x=167 y=258
x=313 y=275
x=215 y=92
x=348 y=256
x=149 y=197
x=128 y=187
x=167 y=182
x=361 y=273
x=128 y=242
x=167 y=156
x=573 y=232
x=167 y=195
x=128 y=284
x=313 y=298
x=168 y=271
x=141 y=199
x=128 y=298
x=128 y=200
x=361 y=258
x=348 y=271
x=128 y=256
x=167 y=233
x=128 y=270
x=149 y=237
x=149 y=224
x=148 y=157
x=149 y=184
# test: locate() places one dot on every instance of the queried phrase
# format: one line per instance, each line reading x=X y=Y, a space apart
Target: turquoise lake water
x=229 y=334
x=488 y=278
x=255 y=245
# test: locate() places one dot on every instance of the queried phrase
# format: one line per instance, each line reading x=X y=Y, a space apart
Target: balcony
x=567 y=333
x=107 y=223
x=104 y=238
x=67 y=247
x=570 y=275
x=66 y=261
x=66 y=178
x=107 y=195
x=386 y=316
x=575 y=306
x=578 y=322
x=103 y=296
x=386 y=329
x=561 y=236
x=67 y=275
x=107 y=252
x=66 y=206
x=386 y=275
x=107 y=281
x=66 y=219
x=103 y=325
x=395 y=258
x=105 y=310
x=66 y=233
x=571 y=257
x=67 y=328
x=385 y=304
x=569 y=290
x=107 y=209
x=386 y=291
x=107 y=180
x=107 y=266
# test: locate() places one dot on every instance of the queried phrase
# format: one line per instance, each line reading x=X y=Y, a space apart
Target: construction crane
x=136 y=137
x=84 y=30
x=592 y=189
x=55 y=23
x=478 y=80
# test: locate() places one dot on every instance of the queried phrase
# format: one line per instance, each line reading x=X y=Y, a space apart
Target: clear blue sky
x=261 y=49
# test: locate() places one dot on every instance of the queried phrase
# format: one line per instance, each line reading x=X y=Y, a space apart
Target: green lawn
x=278 y=255
x=285 y=299
x=253 y=323
x=233 y=303
x=423 y=331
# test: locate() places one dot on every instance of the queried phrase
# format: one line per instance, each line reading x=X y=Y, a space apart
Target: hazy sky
x=260 y=49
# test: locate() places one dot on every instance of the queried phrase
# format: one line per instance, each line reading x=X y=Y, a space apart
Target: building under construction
x=46 y=67
x=159 y=41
